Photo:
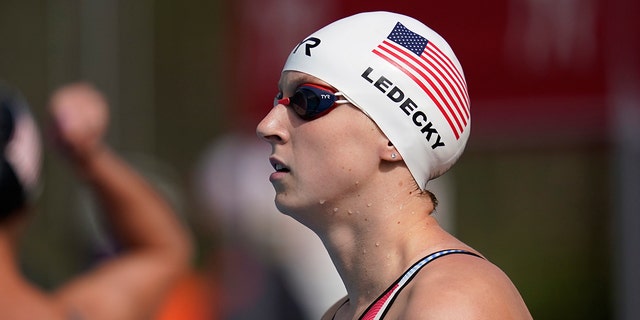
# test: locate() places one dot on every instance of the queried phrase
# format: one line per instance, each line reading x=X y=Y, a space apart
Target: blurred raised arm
x=156 y=246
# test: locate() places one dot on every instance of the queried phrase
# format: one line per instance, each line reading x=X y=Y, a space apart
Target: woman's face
x=319 y=161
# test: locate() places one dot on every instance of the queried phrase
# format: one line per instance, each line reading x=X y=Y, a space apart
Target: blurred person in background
x=369 y=109
x=155 y=249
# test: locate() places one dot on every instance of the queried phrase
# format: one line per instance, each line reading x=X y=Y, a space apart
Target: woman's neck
x=8 y=256
x=10 y=232
x=378 y=243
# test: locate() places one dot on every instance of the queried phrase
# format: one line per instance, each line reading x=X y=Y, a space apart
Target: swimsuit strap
x=380 y=306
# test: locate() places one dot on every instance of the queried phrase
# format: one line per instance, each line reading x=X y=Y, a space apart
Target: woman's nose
x=271 y=128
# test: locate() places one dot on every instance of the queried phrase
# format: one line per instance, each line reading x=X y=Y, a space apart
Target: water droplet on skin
x=335 y=209
x=322 y=201
x=350 y=212
x=368 y=204
x=377 y=244
x=364 y=251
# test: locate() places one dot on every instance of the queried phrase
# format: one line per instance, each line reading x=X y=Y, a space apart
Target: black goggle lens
x=309 y=101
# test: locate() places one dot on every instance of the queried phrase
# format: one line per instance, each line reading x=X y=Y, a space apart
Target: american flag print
x=432 y=71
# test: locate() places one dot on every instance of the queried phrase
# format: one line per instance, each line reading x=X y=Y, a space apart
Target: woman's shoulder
x=470 y=287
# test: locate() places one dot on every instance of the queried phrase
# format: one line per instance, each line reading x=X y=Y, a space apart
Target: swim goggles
x=311 y=101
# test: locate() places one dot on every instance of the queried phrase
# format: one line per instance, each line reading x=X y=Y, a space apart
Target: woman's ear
x=389 y=153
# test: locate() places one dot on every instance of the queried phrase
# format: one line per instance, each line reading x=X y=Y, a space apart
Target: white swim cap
x=404 y=76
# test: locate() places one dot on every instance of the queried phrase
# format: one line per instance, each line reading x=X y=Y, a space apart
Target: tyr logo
x=310 y=42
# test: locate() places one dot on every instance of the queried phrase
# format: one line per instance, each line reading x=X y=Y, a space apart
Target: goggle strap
x=341 y=101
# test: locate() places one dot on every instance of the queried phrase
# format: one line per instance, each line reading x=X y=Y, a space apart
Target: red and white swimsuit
x=380 y=306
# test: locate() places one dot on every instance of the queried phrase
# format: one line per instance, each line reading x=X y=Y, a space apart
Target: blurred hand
x=80 y=117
